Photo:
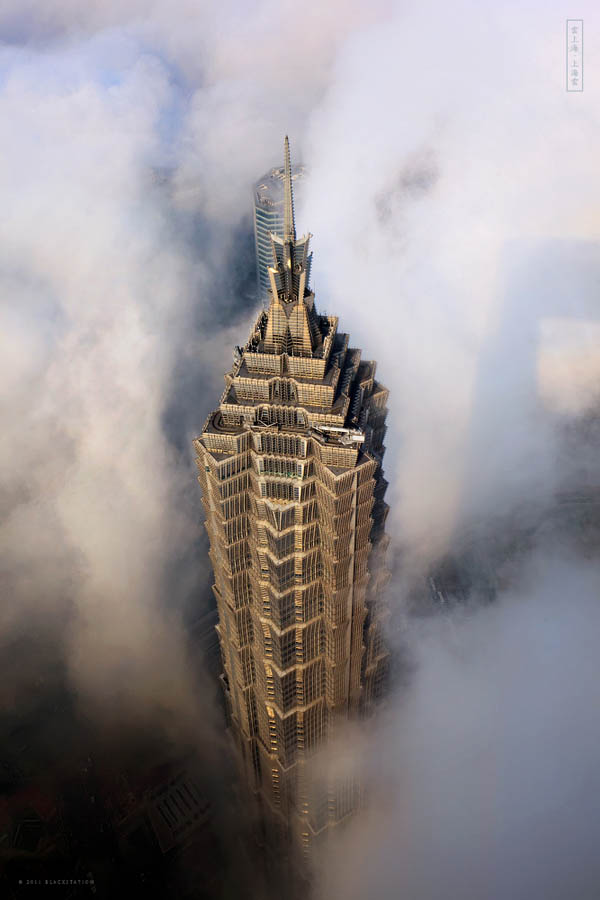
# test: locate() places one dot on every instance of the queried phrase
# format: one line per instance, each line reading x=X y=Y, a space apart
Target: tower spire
x=289 y=225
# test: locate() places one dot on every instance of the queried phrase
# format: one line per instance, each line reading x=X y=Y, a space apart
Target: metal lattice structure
x=291 y=473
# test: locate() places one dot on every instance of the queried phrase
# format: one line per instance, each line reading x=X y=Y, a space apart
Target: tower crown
x=292 y=325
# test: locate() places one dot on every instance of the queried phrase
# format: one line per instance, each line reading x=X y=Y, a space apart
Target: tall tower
x=268 y=219
x=291 y=472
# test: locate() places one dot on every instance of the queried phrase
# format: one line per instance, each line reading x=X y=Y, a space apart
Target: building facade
x=290 y=465
x=268 y=219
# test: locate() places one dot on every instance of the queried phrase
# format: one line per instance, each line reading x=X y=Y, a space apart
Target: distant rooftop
x=269 y=189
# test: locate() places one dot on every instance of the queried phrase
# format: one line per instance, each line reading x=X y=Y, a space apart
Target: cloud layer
x=487 y=775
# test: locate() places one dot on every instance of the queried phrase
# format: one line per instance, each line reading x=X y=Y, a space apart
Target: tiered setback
x=290 y=468
x=292 y=515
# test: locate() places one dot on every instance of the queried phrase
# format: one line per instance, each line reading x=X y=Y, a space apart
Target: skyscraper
x=268 y=219
x=291 y=471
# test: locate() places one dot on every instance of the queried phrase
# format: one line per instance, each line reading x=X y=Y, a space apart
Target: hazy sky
x=454 y=202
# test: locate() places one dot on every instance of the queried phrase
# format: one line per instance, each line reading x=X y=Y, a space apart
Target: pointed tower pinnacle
x=292 y=325
x=289 y=225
